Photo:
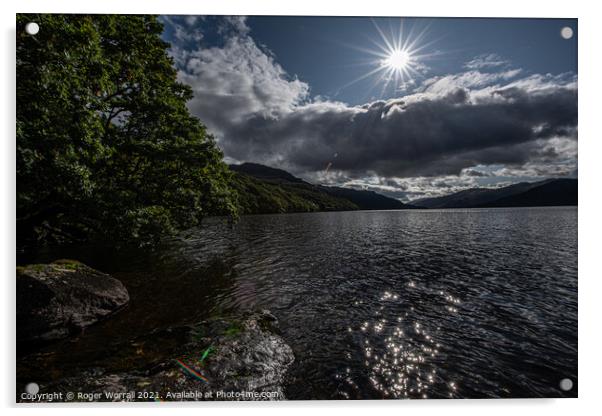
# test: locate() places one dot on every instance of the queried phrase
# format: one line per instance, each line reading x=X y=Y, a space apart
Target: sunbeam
x=396 y=59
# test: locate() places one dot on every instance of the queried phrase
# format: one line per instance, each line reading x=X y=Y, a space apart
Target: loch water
x=463 y=303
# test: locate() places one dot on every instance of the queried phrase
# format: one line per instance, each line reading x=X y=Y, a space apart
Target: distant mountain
x=470 y=198
x=365 y=199
x=265 y=172
x=263 y=189
x=549 y=192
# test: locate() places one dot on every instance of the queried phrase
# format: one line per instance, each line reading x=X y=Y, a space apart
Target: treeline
x=263 y=189
x=106 y=148
x=256 y=196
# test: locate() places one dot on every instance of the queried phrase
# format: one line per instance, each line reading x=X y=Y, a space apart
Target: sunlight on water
x=401 y=355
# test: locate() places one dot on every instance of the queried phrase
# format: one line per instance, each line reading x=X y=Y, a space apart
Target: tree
x=106 y=148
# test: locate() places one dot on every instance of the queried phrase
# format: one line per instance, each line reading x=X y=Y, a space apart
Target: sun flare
x=398 y=59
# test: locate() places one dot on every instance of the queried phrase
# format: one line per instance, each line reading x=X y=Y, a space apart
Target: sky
x=407 y=107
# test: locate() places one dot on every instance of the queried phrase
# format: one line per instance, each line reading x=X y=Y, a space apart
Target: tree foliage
x=106 y=148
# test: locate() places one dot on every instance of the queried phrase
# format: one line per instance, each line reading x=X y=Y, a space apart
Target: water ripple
x=395 y=304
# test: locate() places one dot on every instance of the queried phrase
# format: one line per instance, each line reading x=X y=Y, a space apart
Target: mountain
x=470 y=198
x=263 y=189
x=365 y=199
x=265 y=173
x=257 y=196
x=549 y=192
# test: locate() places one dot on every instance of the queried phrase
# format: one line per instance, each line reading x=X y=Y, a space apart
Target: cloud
x=475 y=173
x=238 y=83
x=408 y=189
x=472 y=79
x=429 y=136
x=184 y=28
x=234 y=25
x=486 y=61
x=489 y=114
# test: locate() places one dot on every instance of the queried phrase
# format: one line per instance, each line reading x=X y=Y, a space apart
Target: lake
x=375 y=304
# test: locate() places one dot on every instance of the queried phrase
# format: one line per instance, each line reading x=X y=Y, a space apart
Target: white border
x=590 y=151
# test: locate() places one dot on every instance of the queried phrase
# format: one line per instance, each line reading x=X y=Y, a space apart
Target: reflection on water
x=401 y=355
x=395 y=304
x=400 y=361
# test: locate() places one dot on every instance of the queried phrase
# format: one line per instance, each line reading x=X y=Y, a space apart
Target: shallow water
x=375 y=304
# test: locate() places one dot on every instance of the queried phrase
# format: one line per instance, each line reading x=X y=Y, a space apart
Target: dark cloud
x=432 y=136
x=446 y=126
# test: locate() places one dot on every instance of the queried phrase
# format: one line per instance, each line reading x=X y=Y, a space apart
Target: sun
x=398 y=60
x=398 y=57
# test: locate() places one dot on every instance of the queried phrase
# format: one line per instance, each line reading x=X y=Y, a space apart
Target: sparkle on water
x=401 y=355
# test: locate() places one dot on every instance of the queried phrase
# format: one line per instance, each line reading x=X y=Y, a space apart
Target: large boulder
x=236 y=358
x=58 y=299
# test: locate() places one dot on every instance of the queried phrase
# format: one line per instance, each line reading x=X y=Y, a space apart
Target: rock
x=220 y=359
x=57 y=299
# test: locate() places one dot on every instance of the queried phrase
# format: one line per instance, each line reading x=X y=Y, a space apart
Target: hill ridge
x=548 y=192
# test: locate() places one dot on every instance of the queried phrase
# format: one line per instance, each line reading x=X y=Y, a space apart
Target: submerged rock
x=57 y=299
x=240 y=358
